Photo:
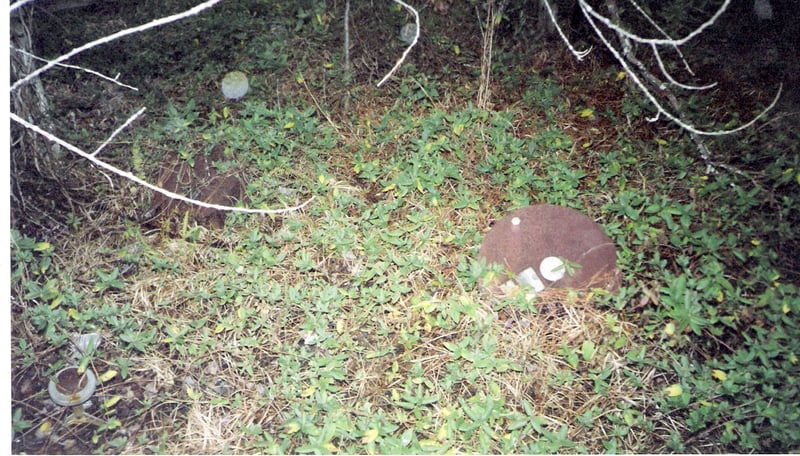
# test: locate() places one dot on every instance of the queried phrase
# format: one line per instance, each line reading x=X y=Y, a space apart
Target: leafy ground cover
x=359 y=325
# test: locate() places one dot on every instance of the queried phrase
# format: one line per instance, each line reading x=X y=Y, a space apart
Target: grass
x=360 y=325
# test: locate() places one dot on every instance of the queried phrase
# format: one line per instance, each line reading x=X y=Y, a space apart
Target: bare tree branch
x=625 y=57
x=156 y=23
x=580 y=55
x=410 y=46
x=93 y=157
x=586 y=8
x=118 y=131
x=130 y=176
x=115 y=79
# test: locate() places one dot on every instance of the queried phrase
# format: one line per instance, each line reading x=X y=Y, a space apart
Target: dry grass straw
x=182 y=402
x=562 y=392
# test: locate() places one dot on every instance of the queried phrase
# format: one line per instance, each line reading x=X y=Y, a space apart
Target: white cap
x=552 y=268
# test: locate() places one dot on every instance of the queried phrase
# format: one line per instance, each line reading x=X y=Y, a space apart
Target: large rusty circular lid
x=552 y=246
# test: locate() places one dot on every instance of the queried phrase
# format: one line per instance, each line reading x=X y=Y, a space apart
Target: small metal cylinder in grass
x=71 y=387
x=235 y=85
x=408 y=32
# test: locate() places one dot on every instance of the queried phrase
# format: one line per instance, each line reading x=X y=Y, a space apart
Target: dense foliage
x=360 y=325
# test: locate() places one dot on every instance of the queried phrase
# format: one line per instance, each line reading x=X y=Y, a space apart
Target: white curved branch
x=580 y=55
x=114 y=80
x=158 y=22
x=408 y=49
x=131 y=177
x=658 y=41
x=18 y=4
x=665 y=34
x=592 y=17
x=672 y=80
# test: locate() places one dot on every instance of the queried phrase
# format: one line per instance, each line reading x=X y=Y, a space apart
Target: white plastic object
x=529 y=277
x=763 y=9
x=407 y=33
x=235 y=85
x=552 y=269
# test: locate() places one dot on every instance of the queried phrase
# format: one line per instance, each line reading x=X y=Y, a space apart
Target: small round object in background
x=407 y=33
x=235 y=85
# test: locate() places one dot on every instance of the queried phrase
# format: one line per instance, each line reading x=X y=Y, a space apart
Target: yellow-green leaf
x=620 y=76
x=107 y=375
x=111 y=402
x=628 y=416
x=226 y=112
x=586 y=112
x=193 y=395
x=291 y=427
x=308 y=391
x=41 y=246
x=661 y=142
x=587 y=350
x=45 y=427
x=370 y=436
x=456 y=49
x=288 y=126
x=458 y=129
x=674 y=390
x=719 y=375
x=669 y=330
x=441 y=434
x=56 y=301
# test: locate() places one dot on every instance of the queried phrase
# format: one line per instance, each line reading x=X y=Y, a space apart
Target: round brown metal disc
x=527 y=236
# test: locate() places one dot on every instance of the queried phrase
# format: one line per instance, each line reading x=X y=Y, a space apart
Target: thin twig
x=643 y=87
x=156 y=23
x=130 y=176
x=115 y=80
x=118 y=131
x=319 y=108
x=410 y=46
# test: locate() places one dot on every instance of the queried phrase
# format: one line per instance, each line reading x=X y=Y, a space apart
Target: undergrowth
x=359 y=325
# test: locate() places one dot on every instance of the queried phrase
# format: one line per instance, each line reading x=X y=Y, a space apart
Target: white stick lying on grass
x=92 y=157
x=130 y=176
x=408 y=49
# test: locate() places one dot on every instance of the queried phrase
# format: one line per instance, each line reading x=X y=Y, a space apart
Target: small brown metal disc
x=527 y=236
